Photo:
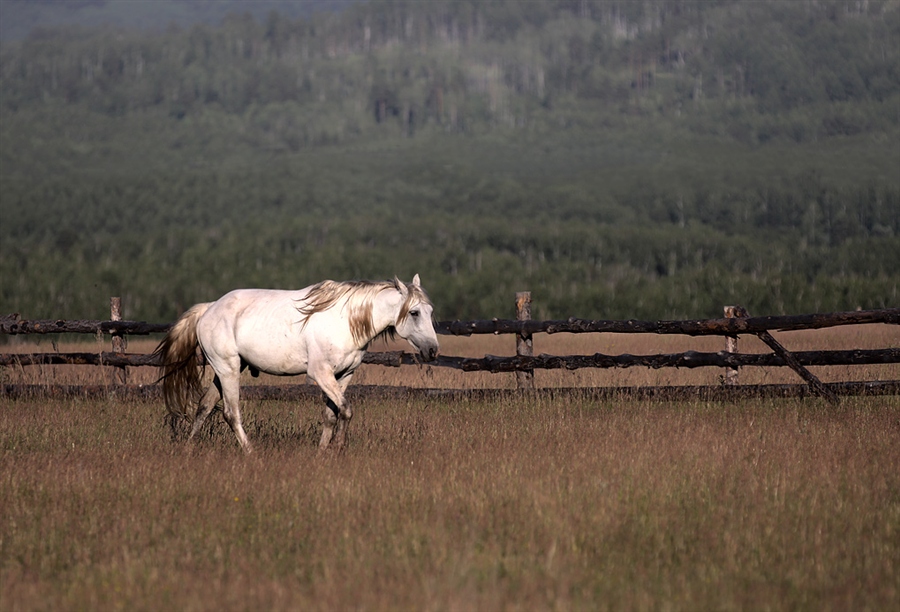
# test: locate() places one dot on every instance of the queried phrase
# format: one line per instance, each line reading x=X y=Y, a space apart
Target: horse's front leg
x=329 y=420
x=342 y=433
x=336 y=413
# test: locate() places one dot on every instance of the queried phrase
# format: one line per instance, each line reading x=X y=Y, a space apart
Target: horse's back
x=258 y=326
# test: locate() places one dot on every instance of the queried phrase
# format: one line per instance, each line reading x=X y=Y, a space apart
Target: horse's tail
x=180 y=366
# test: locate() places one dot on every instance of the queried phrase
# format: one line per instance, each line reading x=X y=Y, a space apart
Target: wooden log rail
x=739 y=322
x=701 y=327
x=495 y=364
x=357 y=392
x=13 y=325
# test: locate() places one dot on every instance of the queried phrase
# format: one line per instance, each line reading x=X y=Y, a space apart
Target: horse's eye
x=414 y=313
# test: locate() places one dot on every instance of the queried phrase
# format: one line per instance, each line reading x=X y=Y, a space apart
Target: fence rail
x=354 y=392
x=13 y=325
x=495 y=364
x=737 y=321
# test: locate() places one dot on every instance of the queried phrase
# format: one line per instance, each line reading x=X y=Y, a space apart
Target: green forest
x=649 y=159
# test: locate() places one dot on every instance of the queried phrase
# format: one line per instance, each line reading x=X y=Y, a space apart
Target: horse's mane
x=359 y=296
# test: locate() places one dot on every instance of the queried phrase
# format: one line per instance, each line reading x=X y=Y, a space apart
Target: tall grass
x=503 y=504
x=507 y=504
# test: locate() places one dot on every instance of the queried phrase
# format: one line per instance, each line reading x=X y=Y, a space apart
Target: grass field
x=466 y=505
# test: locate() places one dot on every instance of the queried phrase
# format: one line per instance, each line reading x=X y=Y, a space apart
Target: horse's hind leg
x=231 y=394
x=207 y=405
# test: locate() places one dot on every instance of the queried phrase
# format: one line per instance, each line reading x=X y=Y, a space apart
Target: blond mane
x=359 y=297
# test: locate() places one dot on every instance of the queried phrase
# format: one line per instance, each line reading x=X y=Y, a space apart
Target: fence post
x=524 y=343
x=119 y=343
x=731 y=346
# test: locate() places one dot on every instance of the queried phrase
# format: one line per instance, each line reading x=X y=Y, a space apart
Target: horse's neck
x=384 y=311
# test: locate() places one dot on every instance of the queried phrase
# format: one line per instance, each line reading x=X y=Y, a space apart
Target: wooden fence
x=735 y=322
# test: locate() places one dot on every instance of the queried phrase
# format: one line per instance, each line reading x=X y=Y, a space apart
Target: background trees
x=619 y=159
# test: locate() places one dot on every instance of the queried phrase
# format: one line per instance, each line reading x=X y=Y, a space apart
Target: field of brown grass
x=469 y=505
x=505 y=504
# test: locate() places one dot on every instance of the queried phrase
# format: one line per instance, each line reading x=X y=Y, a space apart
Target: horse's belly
x=276 y=362
x=272 y=352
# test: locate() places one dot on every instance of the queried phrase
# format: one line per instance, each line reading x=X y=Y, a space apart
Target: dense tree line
x=463 y=64
x=620 y=159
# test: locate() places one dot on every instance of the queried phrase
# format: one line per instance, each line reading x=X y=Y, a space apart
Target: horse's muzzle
x=429 y=353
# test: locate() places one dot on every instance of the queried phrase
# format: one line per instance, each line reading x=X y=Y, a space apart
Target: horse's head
x=414 y=319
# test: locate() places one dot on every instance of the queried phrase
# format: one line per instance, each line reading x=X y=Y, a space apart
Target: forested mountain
x=618 y=158
x=19 y=18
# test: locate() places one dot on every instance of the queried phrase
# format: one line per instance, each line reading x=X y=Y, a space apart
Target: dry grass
x=437 y=505
x=455 y=506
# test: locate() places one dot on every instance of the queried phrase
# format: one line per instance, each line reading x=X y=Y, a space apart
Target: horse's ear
x=416 y=282
x=401 y=287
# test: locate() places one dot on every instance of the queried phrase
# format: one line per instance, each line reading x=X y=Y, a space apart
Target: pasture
x=514 y=503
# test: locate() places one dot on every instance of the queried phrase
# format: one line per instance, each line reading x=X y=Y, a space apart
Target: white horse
x=322 y=330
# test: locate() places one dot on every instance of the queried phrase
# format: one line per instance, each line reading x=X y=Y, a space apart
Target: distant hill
x=18 y=18
x=619 y=158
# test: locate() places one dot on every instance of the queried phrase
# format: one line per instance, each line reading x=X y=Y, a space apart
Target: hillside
x=19 y=18
x=619 y=159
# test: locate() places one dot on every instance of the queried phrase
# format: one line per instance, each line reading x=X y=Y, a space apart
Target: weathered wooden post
x=119 y=343
x=524 y=342
x=815 y=384
x=731 y=346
